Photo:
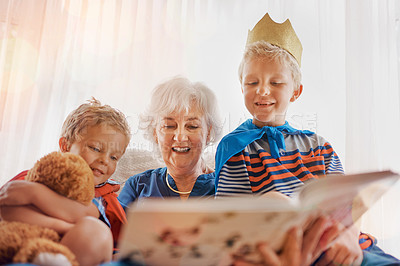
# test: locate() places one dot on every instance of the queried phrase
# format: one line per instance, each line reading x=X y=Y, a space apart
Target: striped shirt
x=254 y=170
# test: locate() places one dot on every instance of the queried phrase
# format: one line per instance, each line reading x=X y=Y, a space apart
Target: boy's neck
x=261 y=124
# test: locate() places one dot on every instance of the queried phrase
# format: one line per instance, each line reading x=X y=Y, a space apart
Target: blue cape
x=245 y=134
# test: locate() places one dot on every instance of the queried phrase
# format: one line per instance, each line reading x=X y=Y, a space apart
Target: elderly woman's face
x=182 y=138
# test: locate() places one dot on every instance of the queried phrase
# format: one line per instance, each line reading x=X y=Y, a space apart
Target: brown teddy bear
x=67 y=174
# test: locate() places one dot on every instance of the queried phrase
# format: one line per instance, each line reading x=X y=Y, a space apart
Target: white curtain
x=54 y=55
x=372 y=103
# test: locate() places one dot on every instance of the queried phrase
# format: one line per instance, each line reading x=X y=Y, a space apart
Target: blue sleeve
x=373 y=256
x=102 y=210
x=128 y=193
x=376 y=256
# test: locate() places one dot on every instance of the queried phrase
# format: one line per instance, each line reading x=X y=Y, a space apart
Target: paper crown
x=279 y=34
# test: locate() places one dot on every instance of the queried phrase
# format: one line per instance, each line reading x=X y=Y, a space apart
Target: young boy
x=265 y=153
x=100 y=135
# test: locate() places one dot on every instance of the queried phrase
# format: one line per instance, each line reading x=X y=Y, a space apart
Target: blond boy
x=265 y=154
x=100 y=135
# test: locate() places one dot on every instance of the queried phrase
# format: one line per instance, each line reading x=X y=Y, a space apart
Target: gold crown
x=279 y=34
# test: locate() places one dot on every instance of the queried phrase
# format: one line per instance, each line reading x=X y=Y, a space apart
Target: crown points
x=279 y=34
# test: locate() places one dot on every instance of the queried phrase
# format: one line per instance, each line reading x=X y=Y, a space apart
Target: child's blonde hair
x=91 y=114
x=265 y=50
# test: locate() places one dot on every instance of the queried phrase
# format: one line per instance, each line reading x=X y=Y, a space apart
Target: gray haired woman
x=182 y=119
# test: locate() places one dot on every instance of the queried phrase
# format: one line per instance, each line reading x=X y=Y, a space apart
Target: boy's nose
x=104 y=159
x=263 y=90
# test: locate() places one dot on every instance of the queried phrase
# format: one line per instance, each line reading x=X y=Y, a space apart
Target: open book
x=206 y=232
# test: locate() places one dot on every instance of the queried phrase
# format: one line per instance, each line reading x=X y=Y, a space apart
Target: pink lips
x=180 y=149
x=264 y=103
x=97 y=172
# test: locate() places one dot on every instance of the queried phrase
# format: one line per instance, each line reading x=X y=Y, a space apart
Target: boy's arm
x=333 y=165
x=46 y=200
x=31 y=215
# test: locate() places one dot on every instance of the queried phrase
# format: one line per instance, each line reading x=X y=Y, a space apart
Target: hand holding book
x=300 y=248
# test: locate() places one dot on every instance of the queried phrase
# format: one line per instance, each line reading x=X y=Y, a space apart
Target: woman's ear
x=208 y=135
x=64 y=144
x=155 y=136
x=297 y=93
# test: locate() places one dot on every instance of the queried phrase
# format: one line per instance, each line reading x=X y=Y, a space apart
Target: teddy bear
x=69 y=175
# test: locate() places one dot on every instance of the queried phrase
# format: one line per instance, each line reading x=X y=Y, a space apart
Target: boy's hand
x=16 y=193
x=316 y=237
x=345 y=250
x=31 y=215
x=276 y=195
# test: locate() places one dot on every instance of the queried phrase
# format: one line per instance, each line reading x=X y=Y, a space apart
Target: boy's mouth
x=97 y=172
x=264 y=104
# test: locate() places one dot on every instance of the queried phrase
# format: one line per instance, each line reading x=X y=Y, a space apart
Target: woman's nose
x=180 y=135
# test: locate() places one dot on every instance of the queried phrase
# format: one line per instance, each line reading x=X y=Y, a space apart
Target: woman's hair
x=93 y=114
x=264 y=50
x=180 y=94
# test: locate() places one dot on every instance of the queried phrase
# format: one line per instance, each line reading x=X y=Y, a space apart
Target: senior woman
x=182 y=119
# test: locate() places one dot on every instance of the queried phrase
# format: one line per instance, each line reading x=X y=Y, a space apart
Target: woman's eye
x=193 y=127
x=250 y=83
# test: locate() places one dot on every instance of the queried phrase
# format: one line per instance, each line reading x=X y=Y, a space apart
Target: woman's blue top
x=152 y=183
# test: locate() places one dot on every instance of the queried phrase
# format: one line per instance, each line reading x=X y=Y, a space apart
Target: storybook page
x=209 y=232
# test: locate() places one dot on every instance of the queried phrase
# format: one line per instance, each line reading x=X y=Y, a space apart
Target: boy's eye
x=251 y=83
x=94 y=148
x=114 y=158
